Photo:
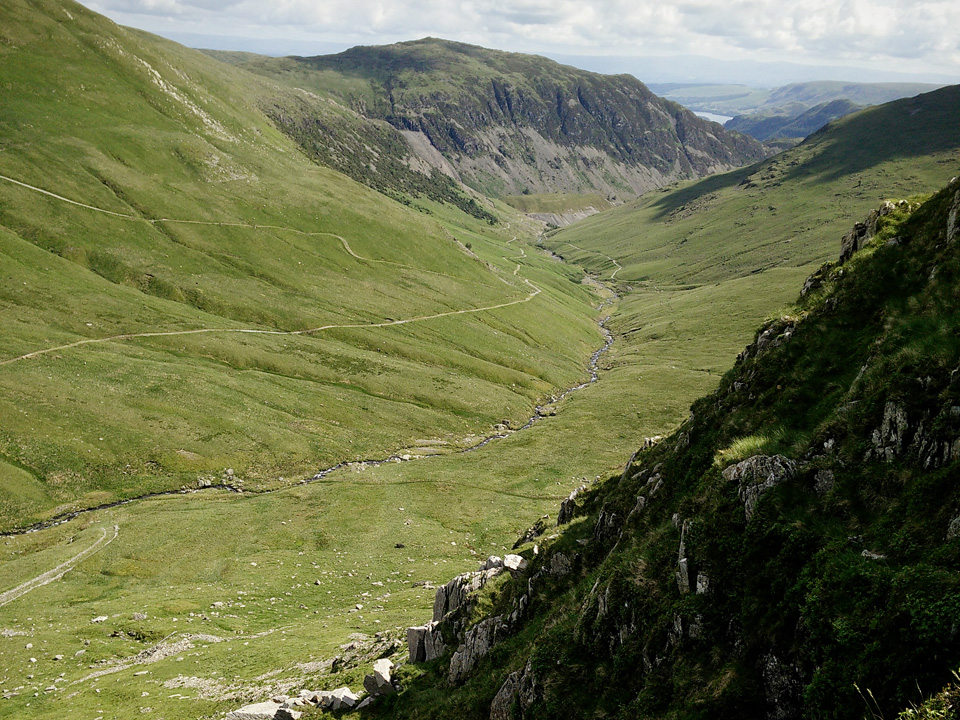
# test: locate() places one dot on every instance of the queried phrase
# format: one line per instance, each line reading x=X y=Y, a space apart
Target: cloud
x=874 y=32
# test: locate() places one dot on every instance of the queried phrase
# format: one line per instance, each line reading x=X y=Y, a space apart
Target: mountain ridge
x=508 y=123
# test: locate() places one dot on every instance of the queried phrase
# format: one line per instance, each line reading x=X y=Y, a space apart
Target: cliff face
x=796 y=539
x=506 y=123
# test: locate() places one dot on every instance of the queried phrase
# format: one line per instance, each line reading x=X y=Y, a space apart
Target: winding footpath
x=541 y=411
x=60 y=570
x=613 y=275
x=534 y=290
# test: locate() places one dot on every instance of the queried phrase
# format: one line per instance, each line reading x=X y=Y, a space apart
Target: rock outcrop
x=454 y=594
x=425 y=643
x=519 y=690
x=756 y=476
x=476 y=643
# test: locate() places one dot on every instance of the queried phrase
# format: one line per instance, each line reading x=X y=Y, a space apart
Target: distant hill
x=792 y=99
x=777 y=127
x=506 y=123
x=777 y=213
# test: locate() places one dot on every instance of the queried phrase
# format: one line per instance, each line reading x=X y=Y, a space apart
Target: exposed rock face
x=608 y=525
x=502 y=706
x=455 y=593
x=530 y=124
x=477 y=643
x=953 y=529
x=825 y=481
x=568 y=508
x=953 y=218
x=684 y=576
x=425 y=643
x=560 y=564
x=520 y=688
x=889 y=438
x=783 y=687
x=757 y=475
x=532 y=533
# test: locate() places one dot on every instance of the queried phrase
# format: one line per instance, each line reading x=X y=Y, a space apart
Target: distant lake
x=711 y=116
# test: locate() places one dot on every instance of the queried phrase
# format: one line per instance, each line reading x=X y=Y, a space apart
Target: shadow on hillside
x=674 y=199
x=904 y=129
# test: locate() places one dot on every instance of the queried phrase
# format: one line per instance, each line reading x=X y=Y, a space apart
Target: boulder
x=491 y=563
x=259 y=711
x=757 y=475
x=338 y=699
x=515 y=563
x=379 y=682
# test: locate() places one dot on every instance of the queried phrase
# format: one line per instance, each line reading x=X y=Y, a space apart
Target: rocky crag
x=792 y=549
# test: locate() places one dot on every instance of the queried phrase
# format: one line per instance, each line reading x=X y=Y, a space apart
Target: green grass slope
x=145 y=194
x=833 y=593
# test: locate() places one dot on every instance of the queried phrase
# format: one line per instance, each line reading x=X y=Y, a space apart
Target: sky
x=893 y=37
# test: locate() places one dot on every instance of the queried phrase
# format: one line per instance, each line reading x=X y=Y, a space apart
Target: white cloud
x=881 y=33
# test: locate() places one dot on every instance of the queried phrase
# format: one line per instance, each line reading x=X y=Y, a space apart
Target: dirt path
x=534 y=290
x=60 y=570
x=613 y=275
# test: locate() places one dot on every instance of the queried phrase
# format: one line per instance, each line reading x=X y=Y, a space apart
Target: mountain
x=784 y=127
x=506 y=123
x=791 y=550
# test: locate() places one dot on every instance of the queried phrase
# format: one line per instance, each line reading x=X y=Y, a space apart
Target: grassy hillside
x=203 y=601
x=152 y=196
